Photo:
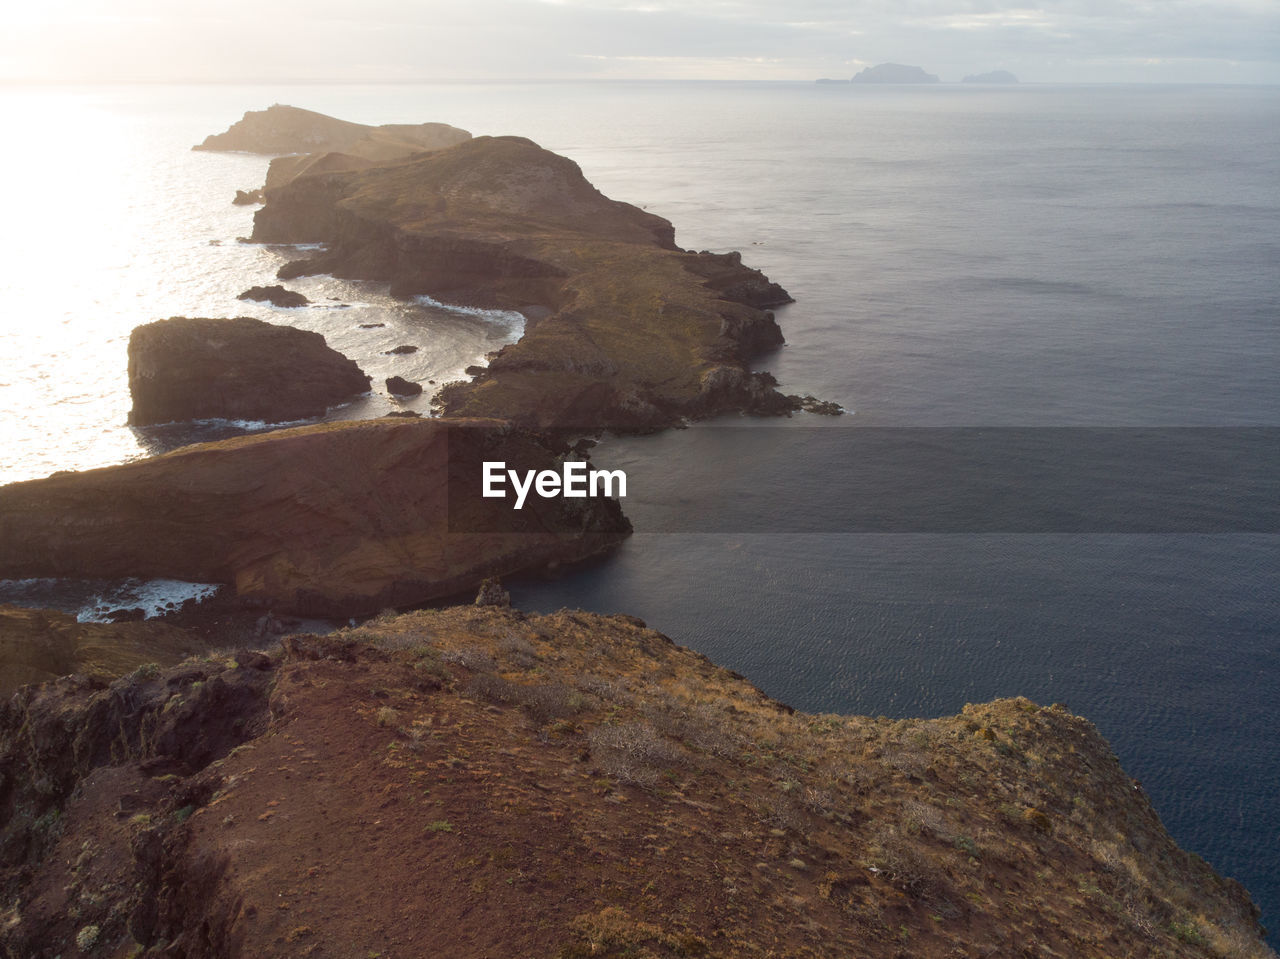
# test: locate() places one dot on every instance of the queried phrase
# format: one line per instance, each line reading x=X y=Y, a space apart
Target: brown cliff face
x=640 y=333
x=284 y=129
x=336 y=519
x=479 y=782
x=37 y=645
x=193 y=368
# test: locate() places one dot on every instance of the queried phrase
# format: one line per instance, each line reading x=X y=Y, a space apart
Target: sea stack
x=187 y=368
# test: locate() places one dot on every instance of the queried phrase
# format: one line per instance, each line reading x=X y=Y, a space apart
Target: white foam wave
x=154 y=597
x=511 y=319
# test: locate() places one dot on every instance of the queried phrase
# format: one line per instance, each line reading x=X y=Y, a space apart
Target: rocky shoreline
x=475 y=781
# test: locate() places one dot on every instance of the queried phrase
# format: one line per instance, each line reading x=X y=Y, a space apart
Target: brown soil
x=477 y=782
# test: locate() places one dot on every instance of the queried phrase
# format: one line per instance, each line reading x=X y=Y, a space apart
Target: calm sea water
x=961 y=257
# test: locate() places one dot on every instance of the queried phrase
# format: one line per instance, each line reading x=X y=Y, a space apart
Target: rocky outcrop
x=630 y=325
x=283 y=169
x=192 y=368
x=893 y=73
x=247 y=197
x=334 y=519
x=275 y=295
x=476 y=781
x=399 y=386
x=37 y=645
x=284 y=129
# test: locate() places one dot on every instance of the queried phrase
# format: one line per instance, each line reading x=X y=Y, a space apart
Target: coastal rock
x=247 y=197
x=286 y=129
x=336 y=519
x=492 y=593
x=283 y=169
x=399 y=386
x=275 y=295
x=893 y=73
x=37 y=645
x=402 y=350
x=192 y=368
x=627 y=323
x=492 y=745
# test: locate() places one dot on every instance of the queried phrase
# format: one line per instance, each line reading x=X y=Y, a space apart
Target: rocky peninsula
x=476 y=781
x=626 y=330
x=479 y=782
x=337 y=519
x=282 y=129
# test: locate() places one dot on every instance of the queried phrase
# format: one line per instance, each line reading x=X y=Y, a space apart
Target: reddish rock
x=335 y=519
x=242 y=368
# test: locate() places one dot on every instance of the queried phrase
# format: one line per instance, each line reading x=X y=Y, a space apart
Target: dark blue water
x=1099 y=258
x=1041 y=257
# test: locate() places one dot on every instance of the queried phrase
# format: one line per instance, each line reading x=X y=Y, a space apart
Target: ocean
x=1029 y=259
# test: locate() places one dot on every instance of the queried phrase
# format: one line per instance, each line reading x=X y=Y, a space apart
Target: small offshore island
x=473 y=780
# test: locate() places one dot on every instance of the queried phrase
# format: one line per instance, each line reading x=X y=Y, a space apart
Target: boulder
x=333 y=519
x=399 y=386
x=191 y=368
x=275 y=295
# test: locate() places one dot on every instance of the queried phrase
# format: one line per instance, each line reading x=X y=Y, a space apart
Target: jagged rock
x=403 y=350
x=622 y=325
x=275 y=295
x=191 y=368
x=811 y=404
x=336 y=519
x=492 y=593
x=247 y=197
x=399 y=386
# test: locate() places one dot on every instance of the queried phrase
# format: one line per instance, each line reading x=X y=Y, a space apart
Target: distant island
x=894 y=73
x=995 y=76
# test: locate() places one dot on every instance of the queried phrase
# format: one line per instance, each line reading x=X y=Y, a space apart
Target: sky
x=1200 y=41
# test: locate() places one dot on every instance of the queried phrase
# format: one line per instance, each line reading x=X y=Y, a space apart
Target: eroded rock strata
x=187 y=368
x=335 y=519
x=475 y=782
x=626 y=330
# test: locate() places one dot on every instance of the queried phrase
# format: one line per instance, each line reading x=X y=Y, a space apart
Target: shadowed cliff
x=336 y=519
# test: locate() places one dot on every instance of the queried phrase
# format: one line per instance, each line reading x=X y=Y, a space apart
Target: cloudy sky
x=1054 y=41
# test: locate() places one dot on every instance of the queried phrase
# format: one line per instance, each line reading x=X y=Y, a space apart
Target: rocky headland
x=479 y=782
x=625 y=330
x=281 y=129
x=188 y=368
x=338 y=519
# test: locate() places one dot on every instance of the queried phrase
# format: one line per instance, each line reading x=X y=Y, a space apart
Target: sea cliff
x=479 y=782
x=626 y=331
x=337 y=519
